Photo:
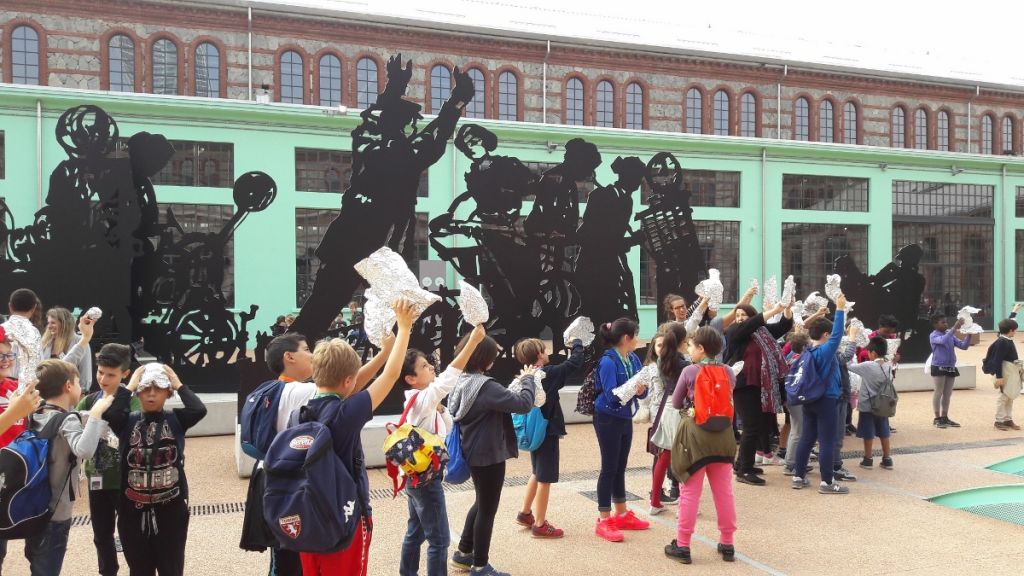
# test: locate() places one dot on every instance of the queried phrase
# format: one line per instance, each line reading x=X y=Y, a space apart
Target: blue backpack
x=311 y=502
x=457 y=471
x=259 y=417
x=25 y=472
x=531 y=429
x=803 y=384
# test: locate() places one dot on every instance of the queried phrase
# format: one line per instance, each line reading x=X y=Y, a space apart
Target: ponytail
x=668 y=362
x=613 y=332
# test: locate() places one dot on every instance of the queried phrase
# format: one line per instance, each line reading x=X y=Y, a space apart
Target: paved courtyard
x=885 y=526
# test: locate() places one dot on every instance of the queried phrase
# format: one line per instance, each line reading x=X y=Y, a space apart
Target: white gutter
x=1002 y=246
x=764 y=210
x=39 y=154
x=778 y=104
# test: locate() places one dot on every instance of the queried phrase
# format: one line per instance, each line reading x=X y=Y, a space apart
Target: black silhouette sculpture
x=97 y=242
x=668 y=232
x=389 y=154
x=896 y=289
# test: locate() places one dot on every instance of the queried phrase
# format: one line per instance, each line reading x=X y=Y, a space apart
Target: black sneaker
x=887 y=463
x=728 y=552
x=673 y=492
x=940 y=423
x=750 y=478
x=668 y=498
x=950 y=423
x=867 y=463
x=678 y=553
x=754 y=470
x=844 y=475
x=462 y=561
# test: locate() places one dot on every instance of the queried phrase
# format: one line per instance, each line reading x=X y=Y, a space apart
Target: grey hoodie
x=482 y=407
x=72 y=439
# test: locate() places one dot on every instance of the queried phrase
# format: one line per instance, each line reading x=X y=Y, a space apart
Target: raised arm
x=22 y=404
x=381 y=387
x=832 y=345
x=370 y=369
x=117 y=414
x=573 y=363
x=193 y=410
x=748 y=297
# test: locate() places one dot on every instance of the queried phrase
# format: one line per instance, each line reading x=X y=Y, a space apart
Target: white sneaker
x=800 y=483
x=655 y=510
x=758 y=460
x=833 y=488
x=772 y=461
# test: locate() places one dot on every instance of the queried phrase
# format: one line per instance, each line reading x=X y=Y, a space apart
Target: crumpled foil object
x=737 y=368
x=788 y=291
x=813 y=303
x=153 y=375
x=472 y=303
x=390 y=280
x=29 y=350
x=712 y=289
x=969 y=326
x=94 y=314
x=892 y=346
x=770 y=297
x=862 y=336
x=582 y=329
x=798 y=313
x=647 y=376
x=833 y=290
x=539 y=396
x=754 y=283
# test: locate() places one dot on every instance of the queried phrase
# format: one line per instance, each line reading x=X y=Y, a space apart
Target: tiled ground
x=883 y=527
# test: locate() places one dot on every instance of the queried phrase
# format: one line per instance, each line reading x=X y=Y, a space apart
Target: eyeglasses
x=682 y=307
x=6 y=357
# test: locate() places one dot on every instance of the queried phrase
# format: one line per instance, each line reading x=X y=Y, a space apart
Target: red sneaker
x=629 y=521
x=605 y=528
x=547 y=531
x=525 y=519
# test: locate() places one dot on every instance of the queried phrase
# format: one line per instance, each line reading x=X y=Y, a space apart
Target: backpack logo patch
x=349 y=509
x=301 y=443
x=291 y=525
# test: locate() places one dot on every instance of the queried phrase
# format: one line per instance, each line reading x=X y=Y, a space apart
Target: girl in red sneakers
x=705 y=453
x=613 y=422
x=671 y=362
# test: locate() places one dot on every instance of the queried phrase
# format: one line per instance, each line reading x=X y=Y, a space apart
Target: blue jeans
x=428 y=520
x=819 y=426
x=614 y=438
x=45 y=551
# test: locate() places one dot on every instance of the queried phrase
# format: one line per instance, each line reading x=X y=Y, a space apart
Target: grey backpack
x=883 y=404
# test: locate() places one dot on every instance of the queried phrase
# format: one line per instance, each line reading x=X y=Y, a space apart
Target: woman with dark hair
x=671 y=362
x=483 y=407
x=674 y=306
x=756 y=397
x=613 y=422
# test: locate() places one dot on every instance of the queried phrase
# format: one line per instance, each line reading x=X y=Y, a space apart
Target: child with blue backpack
x=153 y=515
x=544 y=460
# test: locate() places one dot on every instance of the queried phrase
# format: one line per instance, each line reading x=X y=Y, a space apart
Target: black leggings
x=747 y=400
x=476 y=534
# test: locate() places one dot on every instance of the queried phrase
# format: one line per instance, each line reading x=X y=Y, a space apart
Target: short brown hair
x=483 y=356
x=334 y=361
x=52 y=375
x=528 y=350
x=709 y=339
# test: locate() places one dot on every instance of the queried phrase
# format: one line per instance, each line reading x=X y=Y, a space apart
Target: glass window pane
x=722 y=113
x=605 y=105
x=941 y=200
x=310 y=226
x=719 y=241
x=748 y=115
x=293 y=81
x=318 y=170
x=207 y=66
x=1007 y=135
x=25 y=56
x=810 y=250
x=921 y=129
x=849 y=123
x=899 y=128
x=694 y=111
x=834 y=193
x=330 y=80
x=440 y=87
x=634 y=106
x=508 y=96
x=206 y=219
x=942 y=135
x=987 y=136
x=803 y=120
x=215 y=162
x=574 y=102
x=475 y=107
x=366 y=83
x=121 y=56
x=165 y=67
x=826 y=131
x=1019 y=261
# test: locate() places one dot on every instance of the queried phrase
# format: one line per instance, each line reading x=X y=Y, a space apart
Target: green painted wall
x=265 y=137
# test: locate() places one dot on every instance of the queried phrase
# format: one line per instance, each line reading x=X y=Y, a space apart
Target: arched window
x=121 y=61
x=987 y=134
x=1007 y=135
x=508 y=96
x=802 y=131
x=366 y=83
x=694 y=111
x=634 y=106
x=330 y=80
x=440 y=86
x=849 y=123
x=165 y=67
x=604 y=106
x=826 y=130
x=25 y=55
x=748 y=115
x=292 y=80
x=475 y=107
x=899 y=128
x=721 y=115
x=942 y=134
x=574 y=102
x=921 y=129
x=207 y=70
x=188 y=172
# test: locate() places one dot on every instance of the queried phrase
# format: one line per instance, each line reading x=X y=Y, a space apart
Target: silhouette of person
x=389 y=154
x=602 y=270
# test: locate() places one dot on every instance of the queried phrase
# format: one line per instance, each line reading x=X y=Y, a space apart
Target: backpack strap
x=408 y=407
x=50 y=430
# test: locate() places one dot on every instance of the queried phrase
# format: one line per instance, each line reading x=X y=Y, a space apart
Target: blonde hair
x=528 y=350
x=65 y=331
x=334 y=361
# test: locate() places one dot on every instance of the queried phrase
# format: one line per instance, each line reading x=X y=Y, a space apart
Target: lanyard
x=627 y=365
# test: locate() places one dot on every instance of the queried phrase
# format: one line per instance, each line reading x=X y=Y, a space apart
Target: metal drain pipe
x=544 y=85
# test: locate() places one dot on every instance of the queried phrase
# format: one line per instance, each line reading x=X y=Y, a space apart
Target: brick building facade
x=195 y=49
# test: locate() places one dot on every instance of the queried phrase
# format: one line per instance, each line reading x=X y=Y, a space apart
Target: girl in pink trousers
x=699 y=452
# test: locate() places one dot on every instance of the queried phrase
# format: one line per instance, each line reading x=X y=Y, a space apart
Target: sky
x=978 y=38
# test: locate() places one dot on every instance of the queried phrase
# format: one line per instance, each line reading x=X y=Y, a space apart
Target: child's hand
x=101 y=406
x=175 y=381
x=86 y=327
x=853 y=331
x=527 y=371
x=841 y=302
x=24 y=403
x=999 y=383
x=1016 y=307
x=387 y=343
x=640 y=388
x=406 y=313
x=478 y=334
x=133 y=384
